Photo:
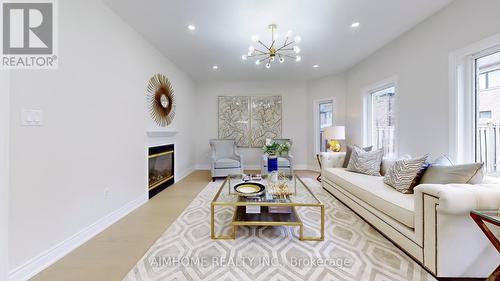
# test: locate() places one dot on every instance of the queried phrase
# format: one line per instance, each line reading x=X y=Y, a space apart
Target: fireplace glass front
x=161 y=168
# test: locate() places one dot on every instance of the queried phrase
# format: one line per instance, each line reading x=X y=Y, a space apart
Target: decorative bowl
x=249 y=189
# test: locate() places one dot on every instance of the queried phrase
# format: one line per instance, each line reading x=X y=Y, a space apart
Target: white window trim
x=316 y=120
x=367 y=110
x=462 y=97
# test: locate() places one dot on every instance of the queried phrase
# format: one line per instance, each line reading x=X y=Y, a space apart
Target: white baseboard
x=45 y=259
x=185 y=173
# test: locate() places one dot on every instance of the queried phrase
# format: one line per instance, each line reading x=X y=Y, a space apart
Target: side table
x=493 y=217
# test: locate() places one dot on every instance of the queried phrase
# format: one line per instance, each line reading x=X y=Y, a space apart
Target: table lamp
x=333 y=135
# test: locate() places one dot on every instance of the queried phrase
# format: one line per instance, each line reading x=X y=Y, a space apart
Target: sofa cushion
x=365 y=162
x=282 y=162
x=376 y=193
x=226 y=163
x=464 y=173
x=348 y=153
x=402 y=173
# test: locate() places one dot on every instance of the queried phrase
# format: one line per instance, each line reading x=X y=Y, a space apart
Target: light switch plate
x=31 y=117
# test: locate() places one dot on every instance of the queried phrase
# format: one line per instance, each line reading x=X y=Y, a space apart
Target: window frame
x=462 y=87
x=316 y=120
x=475 y=99
x=367 y=128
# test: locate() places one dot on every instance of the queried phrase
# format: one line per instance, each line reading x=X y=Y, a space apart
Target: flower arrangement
x=274 y=149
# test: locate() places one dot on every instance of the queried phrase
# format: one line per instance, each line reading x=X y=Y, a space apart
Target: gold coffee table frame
x=275 y=219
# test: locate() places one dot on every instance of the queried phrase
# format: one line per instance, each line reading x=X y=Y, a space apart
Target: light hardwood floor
x=110 y=255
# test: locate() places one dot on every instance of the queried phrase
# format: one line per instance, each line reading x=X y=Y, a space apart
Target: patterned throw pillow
x=348 y=153
x=365 y=162
x=402 y=174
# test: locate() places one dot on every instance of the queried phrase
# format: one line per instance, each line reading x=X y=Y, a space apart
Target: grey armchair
x=285 y=161
x=225 y=158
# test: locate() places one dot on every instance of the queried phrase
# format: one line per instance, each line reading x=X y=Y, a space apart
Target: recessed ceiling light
x=191 y=27
x=215 y=67
x=315 y=66
x=355 y=24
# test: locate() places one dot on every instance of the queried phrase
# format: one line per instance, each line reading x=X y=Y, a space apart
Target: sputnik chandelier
x=269 y=53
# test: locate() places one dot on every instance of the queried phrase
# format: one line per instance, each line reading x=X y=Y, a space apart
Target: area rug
x=351 y=250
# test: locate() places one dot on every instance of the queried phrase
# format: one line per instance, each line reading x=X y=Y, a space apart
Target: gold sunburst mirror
x=161 y=100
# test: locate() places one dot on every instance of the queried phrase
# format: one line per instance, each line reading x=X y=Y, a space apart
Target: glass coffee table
x=267 y=209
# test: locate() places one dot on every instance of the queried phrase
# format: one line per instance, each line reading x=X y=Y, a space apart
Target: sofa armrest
x=442 y=221
x=332 y=159
x=460 y=199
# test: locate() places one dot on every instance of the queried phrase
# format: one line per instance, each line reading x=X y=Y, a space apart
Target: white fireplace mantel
x=161 y=134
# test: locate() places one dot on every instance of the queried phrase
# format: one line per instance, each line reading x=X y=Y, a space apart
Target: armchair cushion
x=226 y=163
x=224 y=149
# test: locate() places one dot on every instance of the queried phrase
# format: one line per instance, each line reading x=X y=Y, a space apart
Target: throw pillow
x=442 y=160
x=402 y=173
x=365 y=162
x=348 y=153
x=388 y=162
x=465 y=173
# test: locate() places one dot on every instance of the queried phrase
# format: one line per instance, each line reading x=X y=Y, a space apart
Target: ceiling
x=224 y=29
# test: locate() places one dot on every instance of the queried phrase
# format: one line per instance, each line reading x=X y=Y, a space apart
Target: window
x=382 y=120
x=494 y=79
x=487 y=112
x=489 y=79
x=484 y=114
x=482 y=81
x=325 y=120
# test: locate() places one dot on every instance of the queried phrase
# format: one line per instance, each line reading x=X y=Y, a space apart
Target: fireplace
x=161 y=168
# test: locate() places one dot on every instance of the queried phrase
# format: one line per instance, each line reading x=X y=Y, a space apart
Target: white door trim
x=4 y=169
x=316 y=121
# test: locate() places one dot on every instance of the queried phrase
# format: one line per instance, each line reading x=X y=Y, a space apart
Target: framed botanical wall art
x=249 y=120
x=265 y=122
x=234 y=114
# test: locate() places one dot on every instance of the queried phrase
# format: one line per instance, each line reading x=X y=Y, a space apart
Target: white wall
x=419 y=59
x=294 y=109
x=4 y=170
x=331 y=87
x=93 y=137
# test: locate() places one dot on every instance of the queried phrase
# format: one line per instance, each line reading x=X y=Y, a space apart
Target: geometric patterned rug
x=352 y=249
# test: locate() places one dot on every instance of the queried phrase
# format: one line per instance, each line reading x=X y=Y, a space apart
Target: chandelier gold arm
x=288 y=56
x=261 y=60
x=269 y=49
x=286 y=45
x=257 y=55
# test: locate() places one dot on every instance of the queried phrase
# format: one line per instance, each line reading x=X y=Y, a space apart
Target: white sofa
x=433 y=225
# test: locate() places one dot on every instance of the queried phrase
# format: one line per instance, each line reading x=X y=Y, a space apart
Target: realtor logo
x=28 y=35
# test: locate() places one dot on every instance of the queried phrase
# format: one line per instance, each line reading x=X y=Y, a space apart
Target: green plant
x=273 y=148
